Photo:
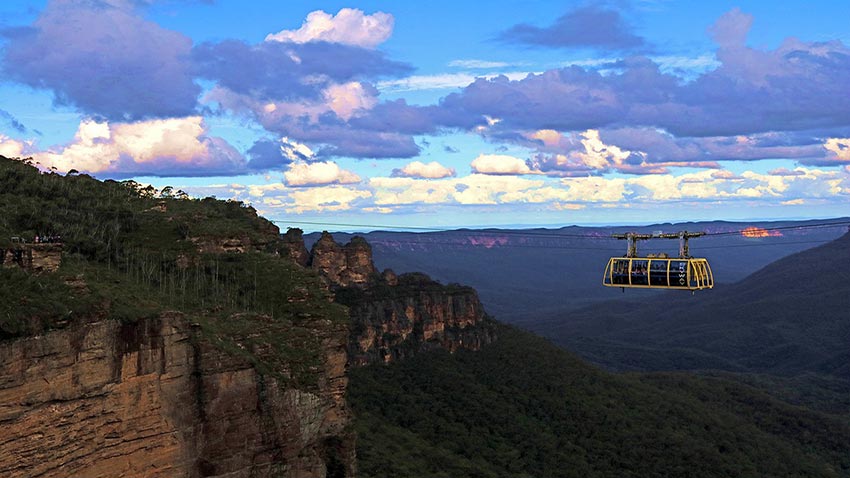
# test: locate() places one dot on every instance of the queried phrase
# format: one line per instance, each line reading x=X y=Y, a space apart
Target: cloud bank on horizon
x=620 y=129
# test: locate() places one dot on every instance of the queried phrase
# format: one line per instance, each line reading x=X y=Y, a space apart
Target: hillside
x=135 y=349
x=161 y=330
x=144 y=333
x=523 y=407
x=786 y=318
x=790 y=320
x=525 y=274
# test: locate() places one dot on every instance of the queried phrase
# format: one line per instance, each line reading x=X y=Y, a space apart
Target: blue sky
x=445 y=113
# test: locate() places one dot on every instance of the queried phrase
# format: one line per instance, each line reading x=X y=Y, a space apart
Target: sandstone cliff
x=292 y=246
x=391 y=322
x=393 y=317
x=154 y=398
x=243 y=231
x=348 y=265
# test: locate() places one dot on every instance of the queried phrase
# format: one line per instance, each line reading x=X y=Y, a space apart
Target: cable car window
x=679 y=273
x=640 y=274
x=658 y=272
x=620 y=271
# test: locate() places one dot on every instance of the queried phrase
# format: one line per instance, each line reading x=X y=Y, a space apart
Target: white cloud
x=295 y=151
x=148 y=146
x=475 y=64
x=11 y=148
x=499 y=164
x=472 y=189
x=839 y=147
x=345 y=99
x=441 y=81
x=320 y=173
x=329 y=198
x=147 y=141
x=594 y=189
x=418 y=169
x=349 y=26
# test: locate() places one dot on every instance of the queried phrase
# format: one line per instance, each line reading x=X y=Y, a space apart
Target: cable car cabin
x=658 y=273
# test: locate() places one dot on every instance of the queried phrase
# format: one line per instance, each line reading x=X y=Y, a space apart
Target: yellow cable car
x=658 y=271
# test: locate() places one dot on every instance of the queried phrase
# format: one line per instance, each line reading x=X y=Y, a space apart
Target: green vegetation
x=132 y=252
x=413 y=283
x=521 y=407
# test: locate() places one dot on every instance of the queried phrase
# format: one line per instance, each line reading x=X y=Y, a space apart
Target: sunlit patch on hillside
x=755 y=232
x=488 y=242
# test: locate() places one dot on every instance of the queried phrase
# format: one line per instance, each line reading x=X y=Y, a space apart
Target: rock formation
x=343 y=266
x=292 y=246
x=394 y=316
x=152 y=399
x=391 y=322
x=262 y=235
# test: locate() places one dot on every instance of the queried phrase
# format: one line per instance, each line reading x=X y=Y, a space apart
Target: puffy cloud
x=417 y=169
x=499 y=164
x=329 y=198
x=591 y=26
x=320 y=173
x=660 y=148
x=346 y=99
x=384 y=131
x=11 y=148
x=475 y=189
x=397 y=191
x=105 y=60
x=839 y=148
x=171 y=147
x=349 y=26
x=594 y=189
x=387 y=194
x=797 y=86
x=284 y=72
x=295 y=151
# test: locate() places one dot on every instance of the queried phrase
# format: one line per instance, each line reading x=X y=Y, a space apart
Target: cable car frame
x=658 y=271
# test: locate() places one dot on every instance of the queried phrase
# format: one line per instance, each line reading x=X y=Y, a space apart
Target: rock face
x=344 y=266
x=151 y=399
x=394 y=316
x=262 y=236
x=220 y=245
x=292 y=245
x=33 y=257
x=391 y=322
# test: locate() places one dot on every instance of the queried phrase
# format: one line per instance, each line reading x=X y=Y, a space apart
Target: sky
x=442 y=113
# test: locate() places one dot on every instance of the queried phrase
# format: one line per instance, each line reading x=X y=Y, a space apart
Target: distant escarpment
x=393 y=317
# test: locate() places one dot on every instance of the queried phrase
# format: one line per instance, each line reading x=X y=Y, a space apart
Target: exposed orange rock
x=349 y=265
x=292 y=245
x=151 y=399
x=391 y=322
x=37 y=258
